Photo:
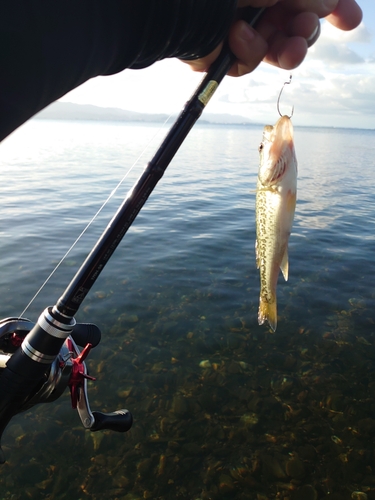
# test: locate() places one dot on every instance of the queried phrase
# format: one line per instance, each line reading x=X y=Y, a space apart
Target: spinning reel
x=68 y=369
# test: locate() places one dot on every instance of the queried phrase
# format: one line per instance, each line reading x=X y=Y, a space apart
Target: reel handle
x=45 y=365
x=86 y=333
x=119 y=421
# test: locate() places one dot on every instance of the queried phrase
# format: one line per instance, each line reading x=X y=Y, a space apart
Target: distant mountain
x=71 y=111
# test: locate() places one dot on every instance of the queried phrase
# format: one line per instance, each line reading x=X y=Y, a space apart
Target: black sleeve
x=49 y=47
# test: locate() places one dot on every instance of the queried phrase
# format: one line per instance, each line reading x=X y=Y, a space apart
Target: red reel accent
x=78 y=372
x=16 y=339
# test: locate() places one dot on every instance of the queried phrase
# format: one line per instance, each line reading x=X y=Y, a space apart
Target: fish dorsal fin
x=284 y=266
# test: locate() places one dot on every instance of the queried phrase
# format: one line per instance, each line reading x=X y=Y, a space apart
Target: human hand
x=283 y=34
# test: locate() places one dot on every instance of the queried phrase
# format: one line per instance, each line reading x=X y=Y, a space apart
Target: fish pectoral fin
x=268 y=312
x=284 y=266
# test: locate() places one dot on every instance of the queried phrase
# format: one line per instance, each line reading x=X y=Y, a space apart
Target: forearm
x=49 y=47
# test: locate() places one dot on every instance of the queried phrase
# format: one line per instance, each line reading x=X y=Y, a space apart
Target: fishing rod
x=38 y=361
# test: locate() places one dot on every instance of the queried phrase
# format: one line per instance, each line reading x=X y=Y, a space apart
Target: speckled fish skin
x=275 y=205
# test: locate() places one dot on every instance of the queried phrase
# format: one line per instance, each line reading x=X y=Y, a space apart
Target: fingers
x=205 y=62
x=284 y=47
x=319 y=7
x=283 y=34
x=346 y=16
x=248 y=46
x=289 y=38
x=343 y=14
x=287 y=52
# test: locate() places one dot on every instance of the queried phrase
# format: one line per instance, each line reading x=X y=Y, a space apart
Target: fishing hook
x=278 y=99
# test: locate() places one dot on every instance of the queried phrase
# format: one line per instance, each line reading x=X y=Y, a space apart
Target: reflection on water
x=222 y=408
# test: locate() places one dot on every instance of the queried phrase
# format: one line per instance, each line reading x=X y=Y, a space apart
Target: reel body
x=68 y=369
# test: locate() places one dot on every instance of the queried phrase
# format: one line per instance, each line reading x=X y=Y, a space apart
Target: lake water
x=222 y=408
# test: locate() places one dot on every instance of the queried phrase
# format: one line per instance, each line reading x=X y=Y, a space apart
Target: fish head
x=276 y=152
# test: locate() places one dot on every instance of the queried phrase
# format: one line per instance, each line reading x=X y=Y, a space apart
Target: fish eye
x=260 y=147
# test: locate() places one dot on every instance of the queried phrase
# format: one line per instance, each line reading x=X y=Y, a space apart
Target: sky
x=334 y=86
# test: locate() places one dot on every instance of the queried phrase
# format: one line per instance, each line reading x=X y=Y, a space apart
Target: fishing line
x=112 y=193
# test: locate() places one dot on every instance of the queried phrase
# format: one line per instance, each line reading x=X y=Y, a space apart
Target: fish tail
x=268 y=312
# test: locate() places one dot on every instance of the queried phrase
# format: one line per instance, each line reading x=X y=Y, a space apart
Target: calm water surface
x=222 y=408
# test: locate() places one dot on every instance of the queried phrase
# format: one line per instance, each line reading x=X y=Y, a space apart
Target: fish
x=276 y=196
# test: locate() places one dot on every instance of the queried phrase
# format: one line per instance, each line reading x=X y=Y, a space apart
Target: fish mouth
x=279 y=142
x=285 y=123
x=282 y=136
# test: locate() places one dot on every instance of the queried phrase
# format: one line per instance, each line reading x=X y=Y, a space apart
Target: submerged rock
x=295 y=468
x=306 y=492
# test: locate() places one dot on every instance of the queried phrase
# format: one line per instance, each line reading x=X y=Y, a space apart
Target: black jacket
x=49 y=47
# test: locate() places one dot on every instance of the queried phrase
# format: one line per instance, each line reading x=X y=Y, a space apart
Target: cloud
x=360 y=35
x=336 y=48
x=359 y=93
x=335 y=54
x=346 y=95
x=311 y=74
x=242 y=90
x=224 y=98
